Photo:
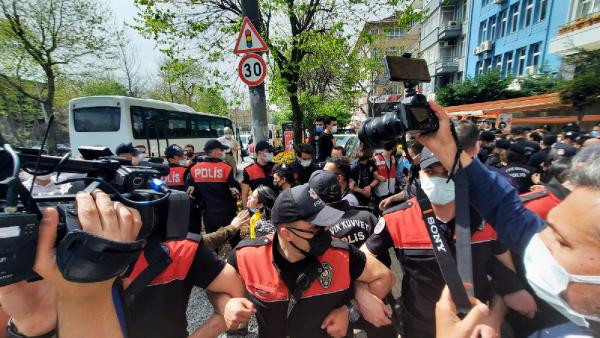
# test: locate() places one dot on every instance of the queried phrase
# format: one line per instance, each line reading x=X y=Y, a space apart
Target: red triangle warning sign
x=249 y=41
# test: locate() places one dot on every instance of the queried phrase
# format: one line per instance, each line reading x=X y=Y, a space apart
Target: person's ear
x=284 y=233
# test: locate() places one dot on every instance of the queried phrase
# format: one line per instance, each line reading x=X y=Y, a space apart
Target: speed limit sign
x=252 y=69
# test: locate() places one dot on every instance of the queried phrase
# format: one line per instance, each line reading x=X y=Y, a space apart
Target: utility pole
x=258 y=101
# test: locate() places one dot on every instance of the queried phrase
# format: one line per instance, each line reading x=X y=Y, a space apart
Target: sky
x=125 y=11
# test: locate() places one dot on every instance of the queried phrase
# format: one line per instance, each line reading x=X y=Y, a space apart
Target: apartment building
x=443 y=44
x=513 y=36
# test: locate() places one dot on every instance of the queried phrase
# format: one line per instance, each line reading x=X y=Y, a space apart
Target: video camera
x=81 y=256
x=413 y=114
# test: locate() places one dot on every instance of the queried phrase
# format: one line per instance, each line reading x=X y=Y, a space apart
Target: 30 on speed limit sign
x=252 y=69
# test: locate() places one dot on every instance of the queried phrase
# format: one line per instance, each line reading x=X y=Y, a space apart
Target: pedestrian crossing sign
x=249 y=41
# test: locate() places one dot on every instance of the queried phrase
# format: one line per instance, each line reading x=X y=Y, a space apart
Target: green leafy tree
x=584 y=88
x=39 y=38
x=290 y=29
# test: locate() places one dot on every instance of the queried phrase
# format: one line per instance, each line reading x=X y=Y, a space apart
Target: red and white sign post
x=252 y=68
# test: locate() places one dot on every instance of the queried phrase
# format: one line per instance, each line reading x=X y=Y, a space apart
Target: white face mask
x=437 y=190
x=228 y=136
x=549 y=279
x=182 y=163
x=304 y=163
x=334 y=129
x=268 y=157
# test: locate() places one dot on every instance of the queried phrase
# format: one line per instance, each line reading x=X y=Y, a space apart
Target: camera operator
x=560 y=256
x=41 y=308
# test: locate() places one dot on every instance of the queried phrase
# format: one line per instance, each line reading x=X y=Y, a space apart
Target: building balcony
x=576 y=35
x=451 y=30
x=446 y=65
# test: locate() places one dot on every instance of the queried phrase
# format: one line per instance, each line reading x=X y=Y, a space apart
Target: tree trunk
x=49 y=110
x=297 y=118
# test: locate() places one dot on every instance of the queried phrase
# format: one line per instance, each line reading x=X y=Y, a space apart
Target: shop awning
x=522 y=104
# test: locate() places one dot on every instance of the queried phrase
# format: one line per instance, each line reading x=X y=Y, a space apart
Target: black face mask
x=364 y=158
x=318 y=243
x=189 y=154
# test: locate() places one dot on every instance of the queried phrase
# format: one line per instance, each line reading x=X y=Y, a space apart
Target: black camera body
x=81 y=256
x=411 y=115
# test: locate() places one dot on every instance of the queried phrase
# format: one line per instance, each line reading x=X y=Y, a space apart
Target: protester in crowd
x=362 y=175
x=403 y=228
x=338 y=151
x=44 y=307
x=499 y=157
x=486 y=145
x=128 y=152
x=517 y=167
x=536 y=160
x=43 y=185
x=301 y=262
x=314 y=137
x=569 y=137
x=385 y=173
x=355 y=226
x=178 y=169
x=260 y=172
x=536 y=137
x=304 y=165
x=260 y=205
x=283 y=177
x=560 y=257
x=326 y=141
x=142 y=151
x=231 y=154
x=414 y=151
x=341 y=168
x=190 y=152
x=520 y=138
x=215 y=189
x=215 y=240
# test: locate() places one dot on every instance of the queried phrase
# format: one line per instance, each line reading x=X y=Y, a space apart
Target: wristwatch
x=353 y=314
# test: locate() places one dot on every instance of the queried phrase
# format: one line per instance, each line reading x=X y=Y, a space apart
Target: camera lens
x=380 y=130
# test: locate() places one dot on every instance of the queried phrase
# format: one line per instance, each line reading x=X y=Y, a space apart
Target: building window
x=503 y=23
x=393 y=33
x=484 y=2
x=535 y=54
x=509 y=63
x=587 y=7
x=493 y=28
x=528 y=12
x=374 y=31
x=499 y=62
x=514 y=10
x=483 y=31
x=543 y=9
x=479 y=67
x=488 y=64
x=522 y=58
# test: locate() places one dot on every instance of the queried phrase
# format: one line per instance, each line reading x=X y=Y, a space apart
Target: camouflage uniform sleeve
x=217 y=239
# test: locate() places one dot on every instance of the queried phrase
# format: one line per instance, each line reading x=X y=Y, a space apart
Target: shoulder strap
x=340 y=244
x=259 y=241
x=398 y=207
x=157 y=256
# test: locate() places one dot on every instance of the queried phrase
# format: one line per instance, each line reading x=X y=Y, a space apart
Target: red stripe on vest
x=382 y=168
x=255 y=171
x=542 y=206
x=182 y=254
x=204 y=172
x=176 y=177
x=407 y=229
x=255 y=266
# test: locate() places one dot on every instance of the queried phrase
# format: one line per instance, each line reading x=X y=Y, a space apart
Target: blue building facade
x=514 y=35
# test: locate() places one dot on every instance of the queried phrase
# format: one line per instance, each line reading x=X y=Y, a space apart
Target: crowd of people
x=310 y=241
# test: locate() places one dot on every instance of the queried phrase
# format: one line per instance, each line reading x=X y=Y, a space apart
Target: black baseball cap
x=303 y=203
x=503 y=144
x=173 y=150
x=325 y=184
x=126 y=148
x=519 y=149
x=565 y=150
x=263 y=145
x=571 y=135
x=214 y=144
x=427 y=158
x=571 y=126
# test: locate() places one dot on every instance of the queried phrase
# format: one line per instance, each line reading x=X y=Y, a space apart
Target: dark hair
x=327 y=120
x=286 y=172
x=140 y=146
x=516 y=157
x=305 y=148
x=549 y=139
x=468 y=134
x=581 y=139
x=266 y=197
x=416 y=147
x=190 y=146
x=556 y=166
x=319 y=118
x=537 y=137
x=366 y=149
x=342 y=166
x=340 y=148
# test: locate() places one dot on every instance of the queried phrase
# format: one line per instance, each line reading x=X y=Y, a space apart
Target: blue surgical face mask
x=595 y=133
x=319 y=128
x=254 y=210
